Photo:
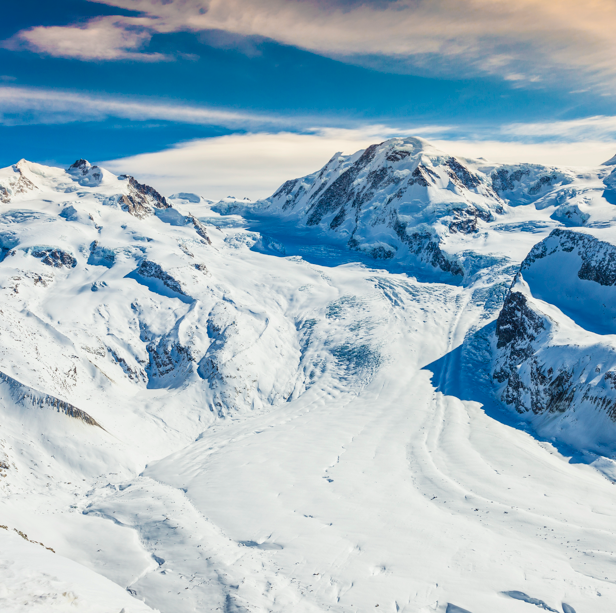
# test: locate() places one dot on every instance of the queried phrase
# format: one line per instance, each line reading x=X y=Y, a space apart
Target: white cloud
x=524 y=40
x=255 y=165
x=103 y=38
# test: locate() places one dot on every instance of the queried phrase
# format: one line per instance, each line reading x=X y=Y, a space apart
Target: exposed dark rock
x=286 y=189
x=397 y=155
x=141 y=198
x=19 y=185
x=339 y=219
x=517 y=328
x=133 y=373
x=503 y=180
x=149 y=269
x=24 y=394
x=524 y=340
x=55 y=257
x=340 y=192
x=426 y=247
x=544 y=181
x=598 y=257
x=200 y=228
x=23 y=184
x=463 y=175
x=85 y=173
x=165 y=358
x=517 y=325
x=80 y=165
x=465 y=220
x=420 y=176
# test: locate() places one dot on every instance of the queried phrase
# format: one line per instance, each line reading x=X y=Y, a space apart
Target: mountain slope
x=556 y=340
x=227 y=412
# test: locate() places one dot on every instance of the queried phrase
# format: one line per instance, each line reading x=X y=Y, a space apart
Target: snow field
x=280 y=434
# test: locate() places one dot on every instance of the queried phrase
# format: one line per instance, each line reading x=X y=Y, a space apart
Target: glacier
x=390 y=386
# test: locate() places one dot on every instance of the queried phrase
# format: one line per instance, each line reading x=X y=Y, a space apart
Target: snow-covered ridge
x=25 y=395
x=556 y=339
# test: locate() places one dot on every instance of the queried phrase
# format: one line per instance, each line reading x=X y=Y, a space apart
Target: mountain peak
x=85 y=173
x=80 y=165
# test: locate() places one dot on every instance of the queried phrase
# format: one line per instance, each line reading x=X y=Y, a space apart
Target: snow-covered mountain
x=405 y=200
x=556 y=351
x=388 y=385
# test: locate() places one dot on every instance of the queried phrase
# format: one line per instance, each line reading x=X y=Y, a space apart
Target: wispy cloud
x=25 y=105
x=103 y=38
x=523 y=41
x=22 y=105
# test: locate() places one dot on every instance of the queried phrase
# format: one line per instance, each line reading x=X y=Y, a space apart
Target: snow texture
x=389 y=387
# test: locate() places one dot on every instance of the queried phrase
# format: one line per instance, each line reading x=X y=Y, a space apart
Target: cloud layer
x=25 y=105
x=522 y=41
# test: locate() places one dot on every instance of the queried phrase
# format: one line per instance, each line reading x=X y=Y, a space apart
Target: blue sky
x=140 y=83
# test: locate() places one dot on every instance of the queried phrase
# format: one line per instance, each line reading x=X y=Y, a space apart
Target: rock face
x=555 y=354
x=141 y=200
x=24 y=394
x=526 y=183
x=152 y=270
x=54 y=257
x=200 y=228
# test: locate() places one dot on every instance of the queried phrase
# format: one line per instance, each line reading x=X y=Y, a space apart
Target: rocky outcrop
x=597 y=258
x=16 y=184
x=85 y=174
x=141 y=200
x=526 y=183
x=425 y=245
x=200 y=228
x=101 y=256
x=54 y=257
x=518 y=328
x=152 y=270
x=25 y=395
